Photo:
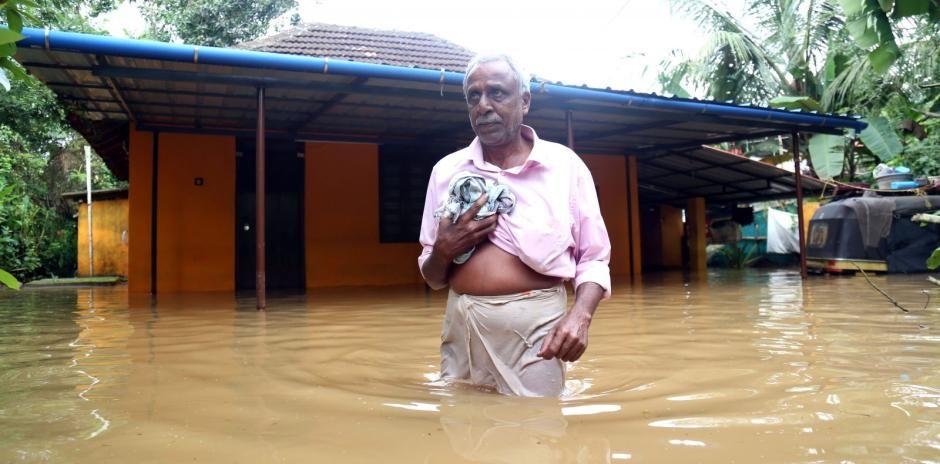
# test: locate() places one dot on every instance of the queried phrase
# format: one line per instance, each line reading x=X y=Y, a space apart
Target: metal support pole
x=91 y=236
x=795 y=137
x=259 y=205
x=570 y=125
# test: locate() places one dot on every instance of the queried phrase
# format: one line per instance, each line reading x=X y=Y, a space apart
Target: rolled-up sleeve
x=428 y=234
x=592 y=254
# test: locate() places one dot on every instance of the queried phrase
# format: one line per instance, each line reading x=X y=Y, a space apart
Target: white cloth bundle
x=464 y=190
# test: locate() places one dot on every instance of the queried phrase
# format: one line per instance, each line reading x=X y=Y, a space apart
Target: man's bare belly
x=492 y=271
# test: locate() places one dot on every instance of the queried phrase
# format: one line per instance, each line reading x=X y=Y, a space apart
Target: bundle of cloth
x=464 y=190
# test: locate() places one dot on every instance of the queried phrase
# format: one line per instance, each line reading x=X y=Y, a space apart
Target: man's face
x=495 y=103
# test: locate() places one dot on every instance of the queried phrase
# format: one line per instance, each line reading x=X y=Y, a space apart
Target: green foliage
x=795 y=103
x=739 y=255
x=881 y=139
x=933 y=262
x=9 y=35
x=743 y=64
x=40 y=155
x=868 y=23
x=7 y=280
x=828 y=154
x=37 y=232
x=812 y=62
x=217 y=23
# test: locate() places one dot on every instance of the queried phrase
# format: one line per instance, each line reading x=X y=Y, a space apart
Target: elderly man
x=505 y=324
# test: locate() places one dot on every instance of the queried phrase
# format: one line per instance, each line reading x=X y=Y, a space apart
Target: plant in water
x=739 y=256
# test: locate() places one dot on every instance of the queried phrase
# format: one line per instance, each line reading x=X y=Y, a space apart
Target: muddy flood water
x=731 y=367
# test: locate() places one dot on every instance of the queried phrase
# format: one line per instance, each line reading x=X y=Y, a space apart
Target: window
x=404 y=171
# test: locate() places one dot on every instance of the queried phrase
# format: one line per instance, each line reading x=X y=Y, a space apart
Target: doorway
x=284 y=214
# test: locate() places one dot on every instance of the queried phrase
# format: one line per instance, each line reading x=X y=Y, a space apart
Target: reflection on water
x=725 y=367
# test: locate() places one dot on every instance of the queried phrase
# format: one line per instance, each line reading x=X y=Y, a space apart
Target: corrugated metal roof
x=112 y=82
x=718 y=175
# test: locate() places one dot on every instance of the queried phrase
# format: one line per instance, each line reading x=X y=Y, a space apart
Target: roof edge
x=146 y=49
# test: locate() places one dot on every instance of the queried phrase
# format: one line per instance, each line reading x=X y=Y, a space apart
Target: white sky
x=595 y=42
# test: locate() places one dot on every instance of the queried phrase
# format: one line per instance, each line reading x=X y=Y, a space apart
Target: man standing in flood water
x=505 y=324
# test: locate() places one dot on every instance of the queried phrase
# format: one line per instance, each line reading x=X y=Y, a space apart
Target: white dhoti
x=495 y=340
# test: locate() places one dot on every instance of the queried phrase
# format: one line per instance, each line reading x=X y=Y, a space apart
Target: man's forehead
x=491 y=71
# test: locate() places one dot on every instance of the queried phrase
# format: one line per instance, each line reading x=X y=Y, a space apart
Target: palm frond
x=850 y=80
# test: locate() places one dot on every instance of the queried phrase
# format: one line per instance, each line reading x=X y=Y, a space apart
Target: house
x=343 y=125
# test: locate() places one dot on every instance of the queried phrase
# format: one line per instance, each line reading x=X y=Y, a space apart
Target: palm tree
x=776 y=47
x=802 y=54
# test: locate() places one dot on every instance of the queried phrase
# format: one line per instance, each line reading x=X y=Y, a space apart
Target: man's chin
x=492 y=140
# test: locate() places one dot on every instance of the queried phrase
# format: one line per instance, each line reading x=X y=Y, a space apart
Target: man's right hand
x=455 y=238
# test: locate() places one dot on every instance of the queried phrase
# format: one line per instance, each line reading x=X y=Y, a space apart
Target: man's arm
x=454 y=239
x=569 y=338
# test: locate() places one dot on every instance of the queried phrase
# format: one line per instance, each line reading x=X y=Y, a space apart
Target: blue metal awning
x=108 y=82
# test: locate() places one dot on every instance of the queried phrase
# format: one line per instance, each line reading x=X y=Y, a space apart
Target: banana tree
x=14 y=11
x=868 y=23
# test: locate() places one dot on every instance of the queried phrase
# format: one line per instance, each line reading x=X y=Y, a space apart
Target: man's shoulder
x=556 y=154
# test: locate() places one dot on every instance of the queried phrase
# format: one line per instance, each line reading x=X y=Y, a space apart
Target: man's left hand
x=568 y=340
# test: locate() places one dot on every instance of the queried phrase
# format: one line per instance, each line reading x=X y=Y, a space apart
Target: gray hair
x=522 y=77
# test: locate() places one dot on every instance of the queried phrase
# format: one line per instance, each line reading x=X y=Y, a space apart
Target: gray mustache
x=480 y=121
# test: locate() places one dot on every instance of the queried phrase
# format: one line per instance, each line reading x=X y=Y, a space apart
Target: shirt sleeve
x=592 y=248
x=428 y=233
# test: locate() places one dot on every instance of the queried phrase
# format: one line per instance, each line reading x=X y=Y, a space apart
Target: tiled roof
x=397 y=48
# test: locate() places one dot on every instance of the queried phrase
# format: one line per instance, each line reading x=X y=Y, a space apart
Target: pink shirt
x=556 y=227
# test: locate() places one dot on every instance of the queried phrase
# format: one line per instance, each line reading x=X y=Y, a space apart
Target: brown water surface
x=730 y=367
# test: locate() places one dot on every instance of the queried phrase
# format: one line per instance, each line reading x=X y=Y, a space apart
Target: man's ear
x=526 y=100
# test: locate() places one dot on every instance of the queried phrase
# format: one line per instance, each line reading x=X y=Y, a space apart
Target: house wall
x=697 y=227
x=196 y=249
x=139 y=189
x=109 y=235
x=610 y=178
x=662 y=237
x=195 y=223
x=670 y=220
x=342 y=221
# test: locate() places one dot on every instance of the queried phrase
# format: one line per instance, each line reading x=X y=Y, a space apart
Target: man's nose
x=485 y=105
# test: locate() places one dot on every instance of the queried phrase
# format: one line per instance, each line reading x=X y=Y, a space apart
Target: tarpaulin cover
x=782 y=233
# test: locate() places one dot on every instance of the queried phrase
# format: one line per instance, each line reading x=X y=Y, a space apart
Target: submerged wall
x=195 y=223
x=662 y=237
x=196 y=245
x=610 y=178
x=342 y=221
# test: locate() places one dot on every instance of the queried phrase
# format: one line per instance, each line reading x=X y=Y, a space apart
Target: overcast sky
x=616 y=43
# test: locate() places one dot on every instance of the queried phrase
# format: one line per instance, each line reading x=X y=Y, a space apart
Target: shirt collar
x=536 y=156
